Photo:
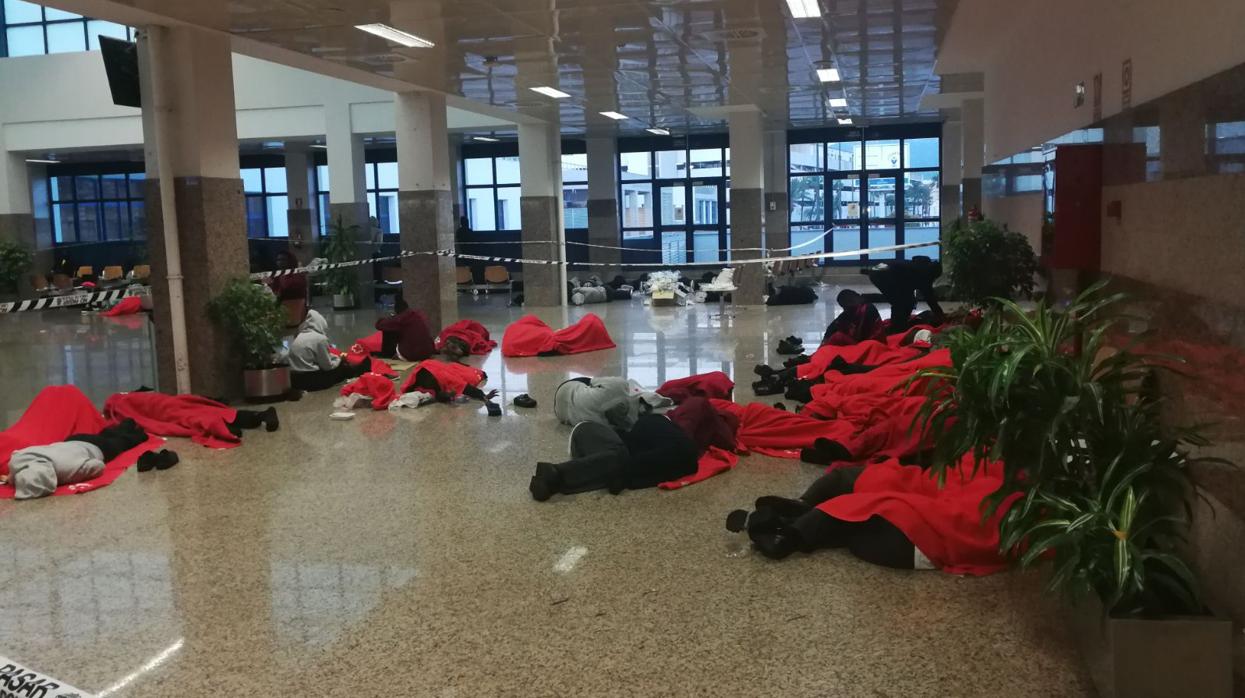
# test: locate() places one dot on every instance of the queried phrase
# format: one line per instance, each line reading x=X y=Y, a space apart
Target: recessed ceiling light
x=40 y=161
x=828 y=74
x=550 y=92
x=614 y=115
x=845 y=122
x=837 y=102
x=319 y=146
x=397 y=36
x=804 y=9
x=658 y=131
x=484 y=139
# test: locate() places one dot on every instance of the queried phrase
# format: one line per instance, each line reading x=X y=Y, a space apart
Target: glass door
x=707 y=215
x=882 y=214
x=674 y=205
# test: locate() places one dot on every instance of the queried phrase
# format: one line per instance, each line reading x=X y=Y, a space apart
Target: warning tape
x=652 y=250
x=71 y=300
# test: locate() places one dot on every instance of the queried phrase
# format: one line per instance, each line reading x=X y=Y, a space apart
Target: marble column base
x=302 y=233
x=211 y=223
x=603 y=230
x=971 y=187
x=427 y=223
x=746 y=226
x=356 y=213
x=20 y=228
x=541 y=282
x=778 y=224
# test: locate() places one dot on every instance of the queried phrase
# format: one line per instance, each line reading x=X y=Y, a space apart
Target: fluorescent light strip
x=397 y=36
x=318 y=146
x=658 y=131
x=615 y=115
x=37 y=161
x=484 y=139
x=804 y=9
x=828 y=74
x=845 y=122
x=550 y=92
x=837 y=102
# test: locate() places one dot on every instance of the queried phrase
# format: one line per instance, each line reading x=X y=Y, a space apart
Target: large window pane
x=508 y=170
x=63 y=223
x=637 y=235
x=481 y=211
x=1027 y=183
x=671 y=164
x=922 y=232
x=256 y=220
x=112 y=186
x=53 y=14
x=369 y=176
x=62 y=189
x=95 y=28
x=21 y=12
x=845 y=195
x=674 y=205
x=278 y=216
x=137 y=185
x=637 y=205
x=88 y=223
x=635 y=166
x=508 y=216
x=705 y=246
x=705 y=205
x=386 y=175
x=882 y=235
x=274 y=180
x=25 y=41
x=707 y=162
x=808 y=199
x=138 y=220
x=575 y=206
x=575 y=168
x=478 y=171
x=322 y=178
x=882 y=155
x=921 y=195
x=87 y=187
x=846 y=239
x=387 y=212
x=881 y=197
x=674 y=247
x=252 y=183
x=807 y=157
x=921 y=152
x=66 y=38
x=807 y=239
x=116 y=220
x=844 y=156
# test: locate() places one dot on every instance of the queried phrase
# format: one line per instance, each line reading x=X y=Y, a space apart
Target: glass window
x=252 y=181
x=845 y=194
x=112 y=186
x=53 y=14
x=1027 y=183
x=674 y=247
x=137 y=188
x=575 y=206
x=256 y=218
x=803 y=237
x=671 y=164
x=66 y=38
x=882 y=235
x=705 y=205
x=922 y=232
x=707 y=162
x=882 y=155
x=116 y=220
x=387 y=212
x=637 y=235
x=705 y=246
x=95 y=28
x=138 y=220
x=921 y=152
x=673 y=205
x=881 y=197
x=278 y=216
x=25 y=41
x=21 y=12
x=87 y=187
x=508 y=216
x=843 y=156
x=808 y=199
x=274 y=180
x=635 y=166
x=637 y=205
x=807 y=157
x=387 y=175
x=575 y=168
x=88 y=222
x=478 y=171
x=508 y=171
x=369 y=176
x=322 y=177
x=920 y=195
x=63 y=222
x=846 y=239
x=481 y=209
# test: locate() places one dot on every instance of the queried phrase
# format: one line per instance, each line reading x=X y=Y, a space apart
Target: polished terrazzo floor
x=401 y=555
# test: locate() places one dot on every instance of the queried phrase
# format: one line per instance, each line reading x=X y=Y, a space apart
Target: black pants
x=875 y=540
x=312 y=381
x=900 y=295
x=388 y=344
x=654 y=451
x=114 y=440
x=248 y=419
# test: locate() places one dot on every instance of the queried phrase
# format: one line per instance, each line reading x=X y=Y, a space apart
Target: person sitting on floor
x=609 y=401
x=900 y=281
x=405 y=334
x=312 y=366
x=291 y=286
x=858 y=321
x=37 y=471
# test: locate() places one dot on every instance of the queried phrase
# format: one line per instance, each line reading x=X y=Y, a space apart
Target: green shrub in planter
x=15 y=260
x=254 y=320
x=342 y=246
x=984 y=262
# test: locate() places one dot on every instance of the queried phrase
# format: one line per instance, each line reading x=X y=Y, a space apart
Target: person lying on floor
x=443 y=381
x=857 y=322
x=312 y=366
x=788 y=379
x=609 y=401
x=900 y=281
x=653 y=451
x=405 y=334
x=205 y=421
x=37 y=471
x=791 y=295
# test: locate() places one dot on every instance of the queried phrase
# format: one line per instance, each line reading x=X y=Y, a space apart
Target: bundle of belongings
x=594 y=290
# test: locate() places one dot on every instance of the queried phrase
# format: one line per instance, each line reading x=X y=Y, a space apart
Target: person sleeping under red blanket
x=529 y=336
x=445 y=380
x=888 y=514
x=472 y=333
x=206 y=422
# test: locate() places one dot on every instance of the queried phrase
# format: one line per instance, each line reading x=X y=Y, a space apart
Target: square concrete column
x=301 y=214
x=425 y=205
x=952 y=174
x=540 y=206
x=603 y=228
x=777 y=202
x=972 y=138
x=17 y=220
x=747 y=202
x=348 y=185
x=187 y=76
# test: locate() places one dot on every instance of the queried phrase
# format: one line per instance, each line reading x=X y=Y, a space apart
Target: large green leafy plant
x=1105 y=486
x=15 y=260
x=984 y=262
x=342 y=246
x=254 y=320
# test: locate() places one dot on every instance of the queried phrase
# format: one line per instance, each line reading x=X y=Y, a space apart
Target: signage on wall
x=1097 y=96
x=1126 y=84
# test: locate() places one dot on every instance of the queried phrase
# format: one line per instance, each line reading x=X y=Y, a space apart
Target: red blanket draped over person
x=714 y=434
x=452 y=377
x=127 y=306
x=473 y=333
x=199 y=419
x=774 y=432
x=379 y=388
x=884 y=379
x=944 y=523
x=869 y=353
x=58 y=412
x=529 y=336
x=716 y=385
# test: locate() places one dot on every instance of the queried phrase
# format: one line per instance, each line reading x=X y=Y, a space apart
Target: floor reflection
x=314 y=603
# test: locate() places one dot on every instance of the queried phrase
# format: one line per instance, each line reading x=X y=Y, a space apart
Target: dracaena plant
x=1105 y=486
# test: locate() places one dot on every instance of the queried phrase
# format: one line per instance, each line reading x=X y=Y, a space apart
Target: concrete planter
x=259 y=384
x=1148 y=658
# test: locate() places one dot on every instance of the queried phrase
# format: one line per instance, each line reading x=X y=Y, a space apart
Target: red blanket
x=774 y=432
x=944 y=524
x=884 y=379
x=473 y=333
x=128 y=306
x=528 y=336
x=55 y=413
x=375 y=386
x=869 y=353
x=452 y=377
x=712 y=462
x=715 y=385
x=187 y=416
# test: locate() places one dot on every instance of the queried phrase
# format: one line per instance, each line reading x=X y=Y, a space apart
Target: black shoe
x=763 y=371
x=780 y=406
x=825 y=452
x=776 y=546
x=786 y=348
x=797 y=361
x=271 y=421
x=525 y=400
x=736 y=521
x=795 y=341
x=800 y=391
x=234 y=429
x=168 y=459
x=763 y=388
x=294 y=395
x=494 y=409
x=148 y=461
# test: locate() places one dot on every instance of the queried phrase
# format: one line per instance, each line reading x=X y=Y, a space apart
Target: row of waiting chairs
x=111 y=276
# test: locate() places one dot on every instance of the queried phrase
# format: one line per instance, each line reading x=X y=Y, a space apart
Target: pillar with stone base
x=540 y=207
x=348 y=188
x=426 y=205
x=777 y=201
x=17 y=221
x=195 y=92
x=972 y=136
x=603 y=228
x=747 y=203
x=300 y=216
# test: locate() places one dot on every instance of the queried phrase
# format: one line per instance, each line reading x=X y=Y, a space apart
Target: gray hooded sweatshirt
x=610 y=401
x=310 y=349
x=37 y=471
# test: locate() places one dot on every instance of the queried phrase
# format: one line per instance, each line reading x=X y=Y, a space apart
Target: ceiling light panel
x=550 y=92
x=804 y=9
x=397 y=36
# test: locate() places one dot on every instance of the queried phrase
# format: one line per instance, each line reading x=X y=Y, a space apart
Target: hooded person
x=36 y=471
x=858 y=322
x=312 y=365
x=609 y=401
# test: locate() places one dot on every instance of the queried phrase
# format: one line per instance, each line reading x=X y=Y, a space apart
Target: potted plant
x=1105 y=488
x=255 y=323
x=342 y=246
x=15 y=260
x=984 y=261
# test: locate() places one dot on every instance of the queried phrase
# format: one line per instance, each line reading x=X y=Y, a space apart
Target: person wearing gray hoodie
x=312 y=366
x=609 y=401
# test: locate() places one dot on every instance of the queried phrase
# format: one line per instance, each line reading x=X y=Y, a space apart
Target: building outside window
x=96 y=207
x=675 y=199
x=381 y=182
x=863 y=189
x=491 y=191
x=31 y=30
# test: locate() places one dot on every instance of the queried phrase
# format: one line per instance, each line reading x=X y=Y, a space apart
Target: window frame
x=43 y=23
x=132 y=172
